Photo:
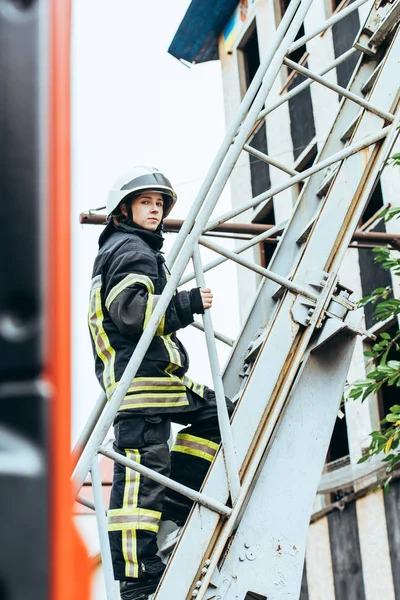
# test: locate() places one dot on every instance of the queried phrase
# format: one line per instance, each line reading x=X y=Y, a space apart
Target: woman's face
x=147 y=210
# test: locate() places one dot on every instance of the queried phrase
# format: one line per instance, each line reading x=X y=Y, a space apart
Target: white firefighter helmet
x=134 y=181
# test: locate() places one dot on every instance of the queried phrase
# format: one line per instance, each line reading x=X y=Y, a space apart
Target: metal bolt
x=204 y=570
x=246 y=545
x=195 y=593
x=198 y=584
x=241 y=558
x=207 y=563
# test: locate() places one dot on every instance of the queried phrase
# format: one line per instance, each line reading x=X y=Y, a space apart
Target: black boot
x=138 y=589
x=176 y=509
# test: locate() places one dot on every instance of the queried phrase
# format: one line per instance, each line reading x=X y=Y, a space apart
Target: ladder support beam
x=338 y=156
x=276 y=229
x=202 y=499
x=339 y=89
x=305 y=84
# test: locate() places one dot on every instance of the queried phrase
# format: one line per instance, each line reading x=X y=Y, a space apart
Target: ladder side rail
x=227 y=443
x=288 y=250
x=114 y=403
x=101 y=519
x=202 y=499
x=300 y=458
x=245 y=105
x=253 y=242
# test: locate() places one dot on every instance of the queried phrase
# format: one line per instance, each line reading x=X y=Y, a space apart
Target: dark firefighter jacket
x=129 y=275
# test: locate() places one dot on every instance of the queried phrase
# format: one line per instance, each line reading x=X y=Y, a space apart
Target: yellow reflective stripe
x=196 y=446
x=145 y=388
x=149 y=310
x=102 y=344
x=136 y=518
x=171 y=403
x=150 y=306
x=196 y=387
x=173 y=353
x=131 y=493
x=139 y=512
x=126 y=282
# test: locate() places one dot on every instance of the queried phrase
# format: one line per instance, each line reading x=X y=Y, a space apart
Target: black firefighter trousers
x=137 y=502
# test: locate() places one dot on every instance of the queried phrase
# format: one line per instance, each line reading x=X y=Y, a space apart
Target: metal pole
x=219 y=336
x=88 y=429
x=292 y=287
x=345 y=153
x=114 y=403
x=85 y=502
x=271 y=231
x=167 y=482
x=232 y=131
x=339 y=89
x=269 y=160
x=228 y=446
x=103 y=532
x=331 y=21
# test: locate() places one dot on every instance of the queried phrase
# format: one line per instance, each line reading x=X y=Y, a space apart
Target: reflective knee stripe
x=155 y=392
x=122 y=519
x=131 y=493
x=102 y=344
x=195 y=387
x=196 y=446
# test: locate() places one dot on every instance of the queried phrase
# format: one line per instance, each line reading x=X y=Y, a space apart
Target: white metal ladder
x=257 y=497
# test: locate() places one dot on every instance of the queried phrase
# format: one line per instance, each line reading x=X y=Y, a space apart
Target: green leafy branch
x=383 y=372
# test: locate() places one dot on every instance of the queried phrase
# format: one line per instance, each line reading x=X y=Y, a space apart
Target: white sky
x=133 y=103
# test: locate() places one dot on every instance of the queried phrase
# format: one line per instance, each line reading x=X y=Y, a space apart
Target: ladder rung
x=219 y=336
x=269 y=160
x=167 y=482
x=290 y=285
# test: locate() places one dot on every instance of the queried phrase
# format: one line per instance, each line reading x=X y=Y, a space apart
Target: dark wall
x=344 y=33
x=392 y=506
x=346 y=554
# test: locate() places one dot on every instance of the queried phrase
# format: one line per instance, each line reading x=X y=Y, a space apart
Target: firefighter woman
x=129 y=274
